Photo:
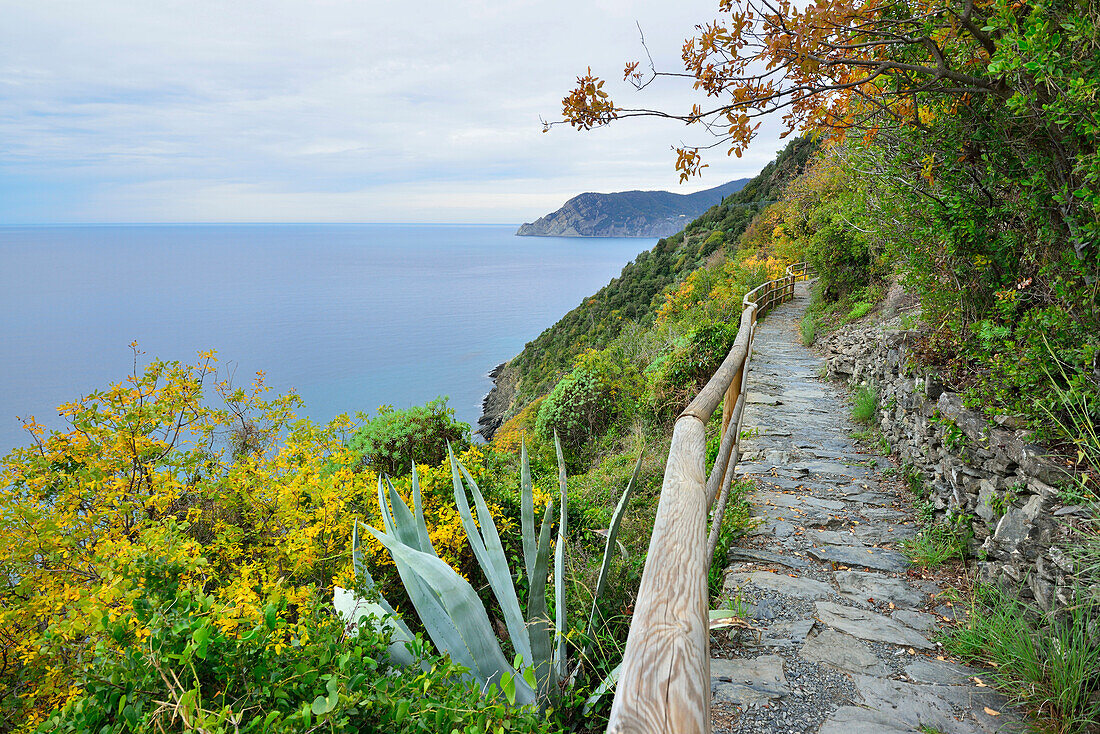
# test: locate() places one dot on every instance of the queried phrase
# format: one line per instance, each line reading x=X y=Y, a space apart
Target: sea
x=350 y=317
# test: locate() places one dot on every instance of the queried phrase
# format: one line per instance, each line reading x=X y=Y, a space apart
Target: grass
x=1049 y=665
x=874 y=439
x=807 y=328
x=938 y=543
x=865 y=404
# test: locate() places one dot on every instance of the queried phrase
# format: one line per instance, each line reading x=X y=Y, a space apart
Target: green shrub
x=293 y=671
x=675 y=379
x=389 y=441
x=602 y=388
x=865 y=404
x=712 y=243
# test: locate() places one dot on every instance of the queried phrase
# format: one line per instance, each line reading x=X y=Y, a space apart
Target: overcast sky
x=330 y=110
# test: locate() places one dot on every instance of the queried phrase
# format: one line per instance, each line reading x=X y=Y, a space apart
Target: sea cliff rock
x=495 y=405
x=628 y=213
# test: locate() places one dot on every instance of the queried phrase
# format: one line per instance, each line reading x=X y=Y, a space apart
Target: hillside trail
x=844 y=638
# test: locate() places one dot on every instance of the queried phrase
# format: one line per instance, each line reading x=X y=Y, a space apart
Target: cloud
x=331 y=110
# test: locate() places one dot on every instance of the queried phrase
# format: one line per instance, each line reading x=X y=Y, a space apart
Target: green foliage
x=1050 y=665
x=865 y=404
x=858 y=311
x=185 y=673
x=389 y=441
x=602 y=388
x=676 y=378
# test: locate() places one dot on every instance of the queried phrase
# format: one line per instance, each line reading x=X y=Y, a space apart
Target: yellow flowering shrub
x=175 y=468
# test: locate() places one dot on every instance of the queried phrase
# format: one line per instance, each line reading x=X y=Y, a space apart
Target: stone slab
x=748 y=681
x=785 y=634
x=914 y=705
x=877 y=534
x=940 y=672
x=917 y=620
x=860 y=720
x=863 y=586
x=870 y=626
x=843 y=652
x=832 y=537
x=878 y=559
x=803 y=588
x=762 y=556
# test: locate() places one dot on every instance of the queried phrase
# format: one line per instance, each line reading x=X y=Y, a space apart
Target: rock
x=748 y=681
x=1013 y=529
x=870 y=626
x=878 y=559
x=860 y=720
x=824 y=504
x=763 y=556
x=842 y=651
x=804 y=588
x=832 y=537
x=783 y=634
x=917 y=620
x=983 y=508
x=940 y=672
x=861 y=586
x=883 y=513
x=877 y=534
x=912 y=705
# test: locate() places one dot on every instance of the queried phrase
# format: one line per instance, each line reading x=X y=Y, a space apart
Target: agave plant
x=449 y=608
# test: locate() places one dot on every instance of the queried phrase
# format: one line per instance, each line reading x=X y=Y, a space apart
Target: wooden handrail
x=664 y=682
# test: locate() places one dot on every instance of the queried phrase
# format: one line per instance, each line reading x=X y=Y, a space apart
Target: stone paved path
x=845 y=636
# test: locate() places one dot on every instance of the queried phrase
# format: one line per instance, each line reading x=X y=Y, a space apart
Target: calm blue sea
x=349 y=316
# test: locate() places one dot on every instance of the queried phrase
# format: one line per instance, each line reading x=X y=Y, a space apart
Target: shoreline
x=496 y=402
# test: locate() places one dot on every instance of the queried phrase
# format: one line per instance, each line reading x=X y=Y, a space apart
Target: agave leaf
x=403 y=520
x=465 y=613
x=353 y=610
x=538 y=619
x=360 y=567
x=612 y=535
x=495 y=564
x=527 y=512
x=560 y=655
x=418 y=511
x=608 y=684
x=388 y=521
x=433 y=615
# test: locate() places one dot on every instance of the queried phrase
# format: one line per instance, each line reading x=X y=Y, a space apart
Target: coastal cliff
x=495 y=406
x=628 y=213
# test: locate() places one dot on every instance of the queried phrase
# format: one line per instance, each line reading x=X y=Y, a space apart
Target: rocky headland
x=628 y=213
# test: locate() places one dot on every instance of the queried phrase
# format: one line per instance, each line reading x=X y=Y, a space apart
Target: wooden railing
x=664 y=683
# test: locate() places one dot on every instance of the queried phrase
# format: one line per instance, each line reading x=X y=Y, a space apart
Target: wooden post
x=664 y=684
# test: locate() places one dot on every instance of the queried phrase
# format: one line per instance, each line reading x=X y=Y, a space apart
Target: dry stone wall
x=987 y=470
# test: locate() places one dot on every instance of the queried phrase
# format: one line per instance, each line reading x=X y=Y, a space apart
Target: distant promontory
x=628 y=213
